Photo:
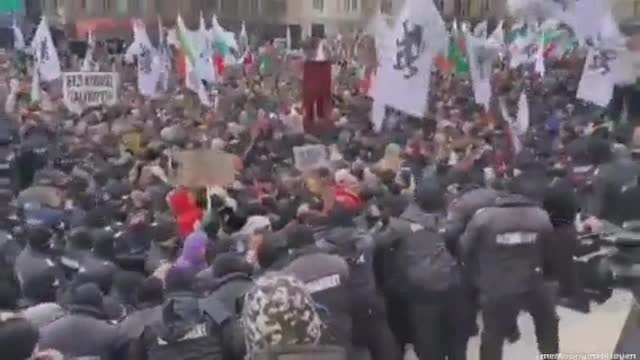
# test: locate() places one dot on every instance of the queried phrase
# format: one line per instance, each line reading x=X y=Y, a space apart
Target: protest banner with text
x=87 y=89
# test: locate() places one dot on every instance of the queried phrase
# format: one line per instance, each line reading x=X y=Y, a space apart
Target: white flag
x=380 y=30
x=45 y=53
x=288 y=38
x=522 y=120
x=419 y=34
x=164 y=54
x=480 y=31
x=149 y=67
x=497 y=37
x=35 y=87
x=481 y=57
x=87 y=62
x=598 y=77
x=539 y=64
x=585 y=17
x=244 y=36
x=18 y=37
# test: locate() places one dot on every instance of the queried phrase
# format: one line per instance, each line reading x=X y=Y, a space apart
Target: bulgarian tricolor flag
x=456 y=58
x=187 y=59
x=224 y=42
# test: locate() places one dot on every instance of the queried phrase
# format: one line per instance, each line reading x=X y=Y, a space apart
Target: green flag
x=11 y=6
x=264 y=64
x=457 y=56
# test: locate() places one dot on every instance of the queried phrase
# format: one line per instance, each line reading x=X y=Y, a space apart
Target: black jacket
x=610 y=178
x=460 y=212
x=188 y=331
x=32 y=265
x=327 y=279
x=83 y=332
x=132 y=327
x=502 y=246
x=229 y=290
x=422 y=263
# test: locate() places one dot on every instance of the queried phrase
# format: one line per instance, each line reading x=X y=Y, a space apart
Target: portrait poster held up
x=87 y=89
x=405 y=73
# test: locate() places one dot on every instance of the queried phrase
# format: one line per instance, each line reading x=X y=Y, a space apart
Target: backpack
x=427 y=264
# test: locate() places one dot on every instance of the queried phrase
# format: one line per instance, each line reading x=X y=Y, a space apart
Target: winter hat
x=193 y=256
x=18 y=337
x=279 y=311
x=229 y=263
x=179 y=279
x=87 y=295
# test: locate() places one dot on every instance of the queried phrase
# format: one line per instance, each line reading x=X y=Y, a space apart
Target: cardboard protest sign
x=309 y=156
x=201 y=168
x=133 y=142
x=85 y=89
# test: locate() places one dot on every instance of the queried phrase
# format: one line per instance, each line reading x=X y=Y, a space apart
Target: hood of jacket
x=180 y=314
x=349 y=242
x=193 y=256
x=232 y=277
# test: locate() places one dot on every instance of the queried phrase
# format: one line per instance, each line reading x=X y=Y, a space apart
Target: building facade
x=307 y=17
x=107 y=18
x=627 y=10
x=266 y=18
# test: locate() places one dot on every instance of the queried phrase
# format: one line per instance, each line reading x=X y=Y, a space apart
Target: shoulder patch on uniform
x=322 y=284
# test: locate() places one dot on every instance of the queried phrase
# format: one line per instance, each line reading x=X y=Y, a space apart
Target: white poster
x=86 y=89
x=598 y=77
x=309 y=156
x=405 y=73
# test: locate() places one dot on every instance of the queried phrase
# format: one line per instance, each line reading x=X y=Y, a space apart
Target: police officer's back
x=230 y=280
x=629 y=205
x=35 y=259
x=502 y=248
x=186 y=329
x=282 y=322
x=438 y=309
x=84 y=331
x=501 y=242
x=616 y=170
x=368 y=311
x=326 y=277
x=462 y=209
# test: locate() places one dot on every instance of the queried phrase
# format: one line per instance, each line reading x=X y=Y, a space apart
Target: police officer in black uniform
x=440 y=314
x=501 y=247
x=327 y=279
x=189 y=329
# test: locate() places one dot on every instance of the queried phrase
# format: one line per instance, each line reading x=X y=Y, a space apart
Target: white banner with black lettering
x=86 y=89
x=405 y=73
x=598 y=77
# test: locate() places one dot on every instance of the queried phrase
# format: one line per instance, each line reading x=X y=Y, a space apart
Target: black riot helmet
x=429 y=195
x=39 y=237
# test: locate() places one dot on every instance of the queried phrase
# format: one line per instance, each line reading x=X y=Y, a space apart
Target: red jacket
x=188 y=214
x=348 y=198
